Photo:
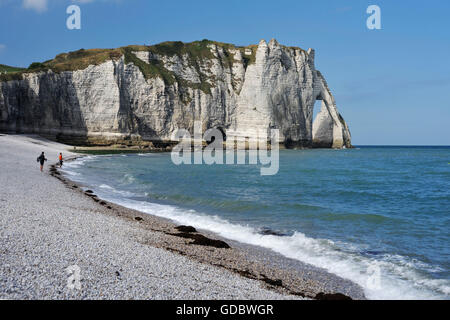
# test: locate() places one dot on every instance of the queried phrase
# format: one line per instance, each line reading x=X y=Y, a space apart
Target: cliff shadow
x=62 y=117
x=45 y=106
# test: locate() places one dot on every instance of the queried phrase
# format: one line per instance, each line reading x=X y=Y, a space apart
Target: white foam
x=145 y=154
x=396 y=281
x=128 y=178
x=77 y=162
x=105 y=186
x=72 y=173
x=399 y=277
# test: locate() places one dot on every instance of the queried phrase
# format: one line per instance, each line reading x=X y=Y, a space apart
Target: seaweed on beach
x=186 y=229
x=201 y=240
x=331 y=296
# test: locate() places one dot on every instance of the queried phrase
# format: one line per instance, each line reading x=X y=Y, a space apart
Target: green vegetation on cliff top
x=9 y=69
x=196 y=52
x=76 y=60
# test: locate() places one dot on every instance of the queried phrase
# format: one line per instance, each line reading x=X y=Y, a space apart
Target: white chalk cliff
x=141 y=93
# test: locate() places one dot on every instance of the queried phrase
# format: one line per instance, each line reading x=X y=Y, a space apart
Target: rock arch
x=329 y=129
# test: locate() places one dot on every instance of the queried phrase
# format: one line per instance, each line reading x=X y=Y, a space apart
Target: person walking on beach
x=41 y=159
x=60 y=158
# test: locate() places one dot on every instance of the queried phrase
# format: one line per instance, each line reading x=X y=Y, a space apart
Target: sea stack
x=138 y=94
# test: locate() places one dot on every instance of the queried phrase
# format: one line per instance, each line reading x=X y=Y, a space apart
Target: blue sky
x=391 y=85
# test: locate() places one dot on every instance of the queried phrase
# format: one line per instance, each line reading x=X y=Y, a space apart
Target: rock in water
x=145 y=93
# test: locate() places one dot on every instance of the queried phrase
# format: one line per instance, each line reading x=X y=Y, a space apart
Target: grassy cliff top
x=81 y=59
x=7 y=69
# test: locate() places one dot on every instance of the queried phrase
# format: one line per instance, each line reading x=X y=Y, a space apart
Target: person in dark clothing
x=41 y=159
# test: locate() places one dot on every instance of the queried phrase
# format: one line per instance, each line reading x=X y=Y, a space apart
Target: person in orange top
x=60 y=157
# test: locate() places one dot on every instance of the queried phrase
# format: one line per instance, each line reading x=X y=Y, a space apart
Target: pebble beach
x=49 y=224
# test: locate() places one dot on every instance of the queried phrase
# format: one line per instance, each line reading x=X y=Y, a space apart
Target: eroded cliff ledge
x=145 y=93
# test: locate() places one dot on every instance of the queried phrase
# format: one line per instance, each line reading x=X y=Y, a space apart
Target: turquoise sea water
x=379 y=216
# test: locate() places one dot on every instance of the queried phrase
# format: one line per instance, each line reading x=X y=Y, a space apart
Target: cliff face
x=146 y=93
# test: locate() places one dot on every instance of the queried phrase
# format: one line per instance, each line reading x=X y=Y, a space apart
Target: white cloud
x=2 y=47
x=37 y=5
x=41 y=5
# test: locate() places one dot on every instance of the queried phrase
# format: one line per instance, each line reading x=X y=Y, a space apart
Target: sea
x=376 y=215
